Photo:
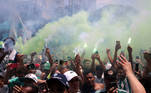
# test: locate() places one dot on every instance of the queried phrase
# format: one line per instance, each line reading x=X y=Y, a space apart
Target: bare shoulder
x=99 y=86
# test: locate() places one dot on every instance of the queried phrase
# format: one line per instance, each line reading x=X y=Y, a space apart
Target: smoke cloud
x=64 y=27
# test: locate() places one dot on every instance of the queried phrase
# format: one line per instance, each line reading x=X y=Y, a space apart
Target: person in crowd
x=135 y=84
x=3 y=87
x=90 y=86
x=58 y=84
x=99 y=69
x=146 y=79
x=73 y=80
x=26 y=88
x=73 y=75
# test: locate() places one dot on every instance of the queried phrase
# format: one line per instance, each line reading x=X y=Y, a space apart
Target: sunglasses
x=89 y=77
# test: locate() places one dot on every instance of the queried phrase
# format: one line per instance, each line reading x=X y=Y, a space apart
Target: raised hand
x=136 y=86
x=129 y=49
x=97 y=56
x=17 y=89
x=77 y=59
x=125 y=64
x=108 y=50
x=117 y=46
x=53 y=67
x=93 y=56
x=147 y=56
x=113 y=90
x=47 y=51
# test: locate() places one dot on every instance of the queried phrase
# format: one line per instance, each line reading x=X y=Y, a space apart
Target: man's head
x=1 y=81
x=43 y=88
x=9 y=43
x=23 y=85
x=90 y=78
x=110 y=78
x=58 y=84
x=73 y=80
x=30 y=88
x=110 y=74
x=147 y=55
x=87 y=63
x=99 y=71
x=63 y=69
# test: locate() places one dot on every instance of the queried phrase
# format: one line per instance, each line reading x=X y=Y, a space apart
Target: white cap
x=108 y=65
x=38 y=73
x=32 y=76
x=70 y=74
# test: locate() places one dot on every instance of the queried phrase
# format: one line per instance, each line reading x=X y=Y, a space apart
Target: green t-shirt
x=14 y=81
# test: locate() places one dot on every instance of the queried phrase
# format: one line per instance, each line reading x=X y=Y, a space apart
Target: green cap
x=1 y=44
x=47 y=66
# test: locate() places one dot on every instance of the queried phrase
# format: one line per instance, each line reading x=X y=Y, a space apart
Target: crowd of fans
x=120 y=74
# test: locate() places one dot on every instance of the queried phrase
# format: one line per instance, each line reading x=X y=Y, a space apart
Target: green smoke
x=70 y=32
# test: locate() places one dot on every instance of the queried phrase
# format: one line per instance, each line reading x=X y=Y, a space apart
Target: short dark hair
x=59 y=85
x=34 y=87
x=87 y=72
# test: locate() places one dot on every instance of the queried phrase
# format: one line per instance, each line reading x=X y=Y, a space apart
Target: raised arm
x=129 y=49
x=109 y=55
x=93 y=67
x=117 y=47
x=79 y=67
x=32 y=56
x=136 y=86
x=49 y=56
x=100 y=61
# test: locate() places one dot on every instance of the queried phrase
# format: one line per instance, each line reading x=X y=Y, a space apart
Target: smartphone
x=137 y=57
x=96 y=52
x=118 y=42
x=137 y=67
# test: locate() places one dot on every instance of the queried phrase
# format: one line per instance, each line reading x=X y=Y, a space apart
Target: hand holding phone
x=118 y=45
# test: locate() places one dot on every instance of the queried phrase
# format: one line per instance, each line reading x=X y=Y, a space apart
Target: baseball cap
x=47 y=66
x=70 y=75
x=58 y=77
x=32 y=76
x=108 y=65
x=37 y=65
x=38 y=73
